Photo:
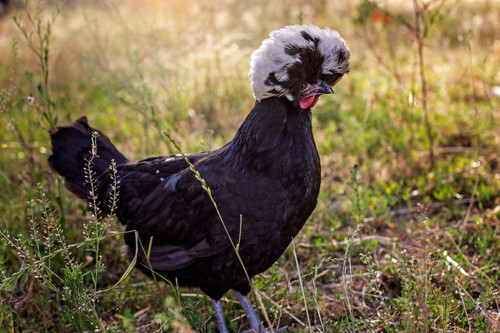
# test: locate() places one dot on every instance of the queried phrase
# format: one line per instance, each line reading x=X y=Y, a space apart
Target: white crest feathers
x=272 y=57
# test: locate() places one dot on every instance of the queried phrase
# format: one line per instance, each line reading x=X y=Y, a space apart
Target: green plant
x=48 y=257
x=37 y=35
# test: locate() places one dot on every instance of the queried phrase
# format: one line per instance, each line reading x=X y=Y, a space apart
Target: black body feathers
x=71 y=148
x=269 y=174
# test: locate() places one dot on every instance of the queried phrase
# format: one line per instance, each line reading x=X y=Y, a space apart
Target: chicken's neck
x=275 y=128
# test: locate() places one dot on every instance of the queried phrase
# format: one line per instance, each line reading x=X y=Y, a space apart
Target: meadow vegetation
x=405 y=237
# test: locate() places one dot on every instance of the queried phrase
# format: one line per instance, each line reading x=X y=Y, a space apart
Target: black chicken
x=268 y=175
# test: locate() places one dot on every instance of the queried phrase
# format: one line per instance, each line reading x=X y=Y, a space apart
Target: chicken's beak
x=321 y=88
x=310 y=94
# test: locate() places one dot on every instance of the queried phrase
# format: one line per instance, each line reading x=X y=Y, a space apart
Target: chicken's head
x=300 y=62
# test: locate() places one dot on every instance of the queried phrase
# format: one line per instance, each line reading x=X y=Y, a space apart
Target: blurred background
x=405 y=236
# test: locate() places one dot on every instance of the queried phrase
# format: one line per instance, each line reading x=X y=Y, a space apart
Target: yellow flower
x=4 y=146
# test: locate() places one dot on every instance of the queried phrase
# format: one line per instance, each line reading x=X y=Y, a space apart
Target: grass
x=405 y=237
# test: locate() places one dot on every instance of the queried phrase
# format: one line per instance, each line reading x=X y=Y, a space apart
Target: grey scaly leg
x=221 y=322
x=249 y=311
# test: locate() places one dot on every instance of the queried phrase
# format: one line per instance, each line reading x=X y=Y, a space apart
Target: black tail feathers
x=72 y=147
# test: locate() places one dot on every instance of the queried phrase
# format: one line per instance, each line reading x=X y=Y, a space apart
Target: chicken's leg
x=221 y=322
x=249 y=311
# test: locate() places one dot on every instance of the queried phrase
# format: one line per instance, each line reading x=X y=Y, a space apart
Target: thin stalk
x=209 y=192
x=420 y=34
x=301 y=285
x=40 y=47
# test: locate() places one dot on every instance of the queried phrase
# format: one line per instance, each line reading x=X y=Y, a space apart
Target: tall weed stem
x=37 y=35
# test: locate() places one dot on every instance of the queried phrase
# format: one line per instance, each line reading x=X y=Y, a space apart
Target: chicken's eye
x=303 y=86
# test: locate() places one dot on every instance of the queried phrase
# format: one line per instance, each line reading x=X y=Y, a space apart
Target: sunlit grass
x=137 y=69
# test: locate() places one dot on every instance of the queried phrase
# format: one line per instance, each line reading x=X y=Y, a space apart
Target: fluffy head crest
x=296 y=55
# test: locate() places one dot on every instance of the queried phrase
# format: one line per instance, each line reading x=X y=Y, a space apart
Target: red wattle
x=308 y=101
